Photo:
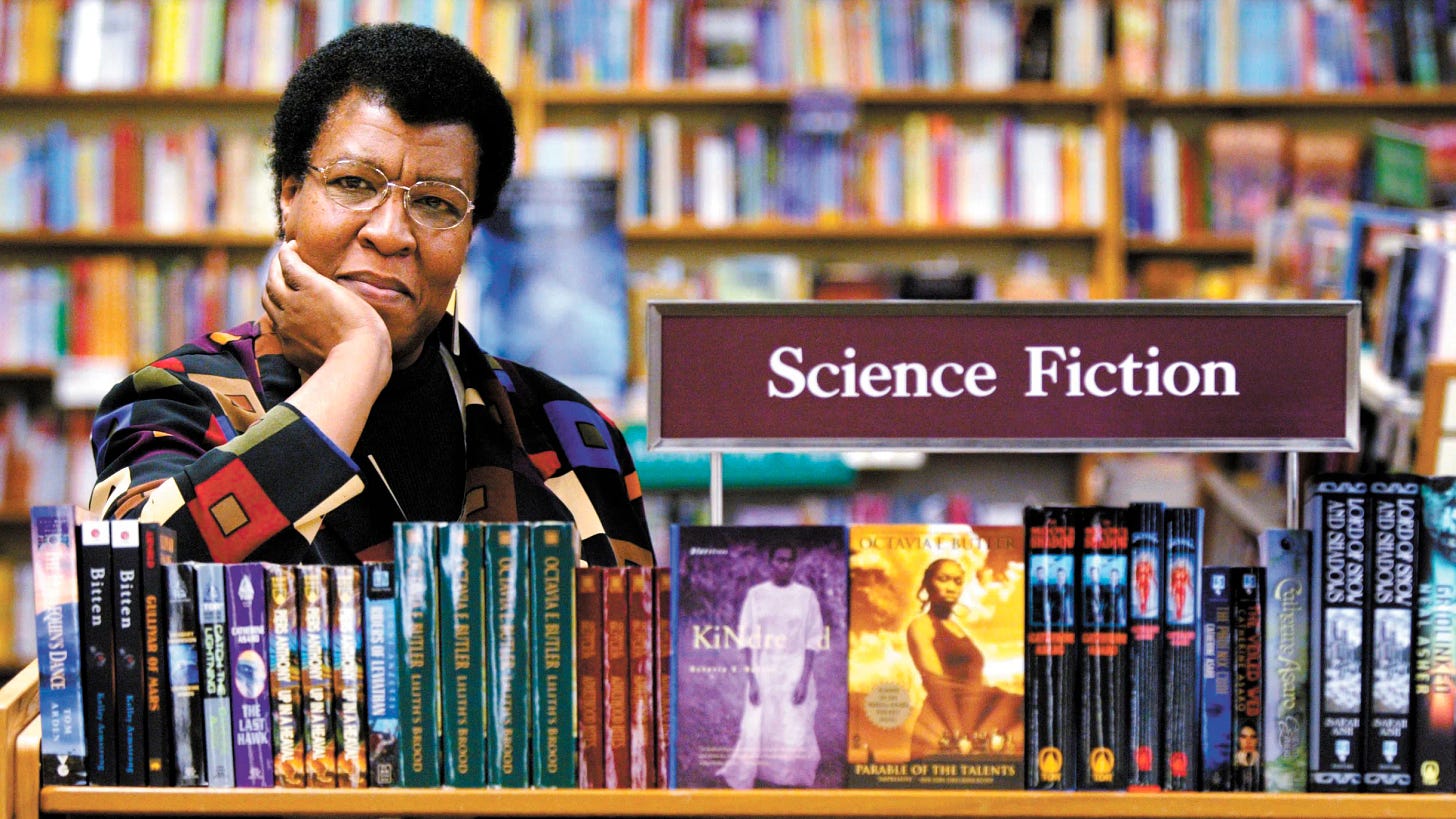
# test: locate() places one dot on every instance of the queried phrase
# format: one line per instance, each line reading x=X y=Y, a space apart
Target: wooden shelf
x=1398 y=98
x=873 y=803
x=134 y=239
x=203 y=97
x=691 y=95
x=14 y=374
x=1199 y=244
x=790 y=232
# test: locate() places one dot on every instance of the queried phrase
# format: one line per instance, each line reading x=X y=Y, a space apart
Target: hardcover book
x=1218 y=678
x=1246 y=761
x=1103 y=762
x=508 y=654
x=616 y=762
x=1395 y=525
x=641 y=733
x=553 y=662
x=184 y=676
x=285 y=677
x=417 y=594
x=1051 y=634
x=381 y=673
x=351 y=760
x=589 y=631
x=130 y=641
x=98 y=666
x=462 y=652
x=759 y=620
x=1182 y=717
x=1145 y=645
x=159 y=549
x=315 y=662
x=217 y=703
x=1336 y=510
x=1433 y=673
x=252 y=707
x=58 y=645
x=1285 y=554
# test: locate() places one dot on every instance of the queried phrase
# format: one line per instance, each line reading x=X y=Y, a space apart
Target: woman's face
x=405 y=271
x=945 y=582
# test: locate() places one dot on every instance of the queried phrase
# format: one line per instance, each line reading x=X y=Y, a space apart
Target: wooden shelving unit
x=1199 y=244
x=134 y=240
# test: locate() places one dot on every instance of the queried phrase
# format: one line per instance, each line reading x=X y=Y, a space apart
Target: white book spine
x=665 y=174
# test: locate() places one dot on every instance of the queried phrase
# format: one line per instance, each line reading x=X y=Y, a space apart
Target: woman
x=356 y=401
x=961 y=714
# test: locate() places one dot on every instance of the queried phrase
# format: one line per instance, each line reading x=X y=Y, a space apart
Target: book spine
x=462 y=661
x=1103 y=762
x=507 y=690
x=1051 y=634
x=381 y=673
x=1145 y=645
x=1247 y=759
x=589 y=725
x=417 y=594
x=285 y=679
x=662 y=581
x=1286 y=660
x=1336 y=514
x=1433 y=673
x=1217 y=678
x=553 y=665
x=1182 y=748
x=184 y=676
x=217 y=703
x=98 y=664
x=131 y=685
x=642 y=740
x=1395 y=512
x=316 y=673
x=158 y=551
x=351 y=760
x=58 y=645
x=252 y=707
x=616 y=678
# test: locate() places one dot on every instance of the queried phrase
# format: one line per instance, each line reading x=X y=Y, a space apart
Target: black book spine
x=1051 y=661
x=1103 y=762
x=1433 y=673
x=1395 y=527
x=189 y=742
x=1183 y=568
x=130 y=662
x=98 y=651
x=158 y=551
x=1247 y=759
x=1145 y=645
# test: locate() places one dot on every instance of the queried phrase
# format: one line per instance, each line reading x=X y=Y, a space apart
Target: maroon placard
x=1054 y=376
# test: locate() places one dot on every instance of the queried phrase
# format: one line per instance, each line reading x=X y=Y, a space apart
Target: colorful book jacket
x=1051 y=634
x=1336 y=512
x=97 y=635
x=1246 y=760
x=1182 y=717
x=1103 y=758
x=1395 y=527
x=662 y=692
x=1216 y=686
x=462 y=652
x=1145 y=645
x=1285 y=554
x=351 y=757
x=285 y=677
x=316 y=673
x=590 y=755
x=641 y=733
x=58 y=645
x=381 y=673
x=1433 y=673
x=252 y=707
x=616 y=763
x=159 y=549
x=759 y=620
x=508 y=654
x=217 y=706
x=553 y=658
x=130 y=638
x=184 y=675
x=417 y=595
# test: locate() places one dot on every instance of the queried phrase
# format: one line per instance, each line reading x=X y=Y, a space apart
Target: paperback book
x=58 y=645
x=1051 y=635
x=381 y=673
x=1145 y=645
x=1246 y=761
x=216 y=680
x=417 y=594
x=553 y=666
x=351 y=760
x=462 y=655
x=131 y=686
x=252 y=707
x=1395 y=513
x=184 y=676
x=1182 y=717
x=1433 y=672
x=1103 y=762
x=508 y=654
x=591 y=757
x=316 y=666
x=1285 y=554
x=285 y=680
x=1216 y=696
x=98 y=665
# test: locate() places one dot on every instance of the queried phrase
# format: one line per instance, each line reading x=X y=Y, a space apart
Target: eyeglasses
x=361 y=187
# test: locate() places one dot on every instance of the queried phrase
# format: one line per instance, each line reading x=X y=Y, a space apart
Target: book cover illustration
x=381 y=673
x=1218 y=678
x=759 y=620
x=184 y=677
x=936 y=674
x=1182 y=748
x=1433 y=674
x=1051 y=632
x=351 y=760
x=217 y=703
x=58 y=645
x=252 y=708
x=130 y=639
x=1395 y=511
x=1145 y=645
x=1246 y=762
x=315 y=662
x=285 y=680
x=1285 y=554
x=1103 y=759
x=97 y=635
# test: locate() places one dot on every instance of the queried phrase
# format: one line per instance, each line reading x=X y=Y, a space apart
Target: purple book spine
x=248 y=658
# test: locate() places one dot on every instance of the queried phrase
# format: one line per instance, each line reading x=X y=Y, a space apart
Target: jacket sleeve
x=166 y=452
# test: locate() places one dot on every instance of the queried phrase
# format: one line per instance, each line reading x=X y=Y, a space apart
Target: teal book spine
x=553 y=662
x=508 y=657
x=462 y=661
x=419 y=676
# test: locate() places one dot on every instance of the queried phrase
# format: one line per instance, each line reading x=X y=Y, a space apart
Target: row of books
x=930 y=170
x=1284 y=46
x=124 y=178
x=92 y=45
x=120 y=306
x=859 y=44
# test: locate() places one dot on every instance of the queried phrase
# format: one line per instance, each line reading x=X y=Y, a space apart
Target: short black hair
x=423 y=75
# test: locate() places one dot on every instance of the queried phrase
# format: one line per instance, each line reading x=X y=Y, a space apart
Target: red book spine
x=662 y=577
x=589 y=644
x=642 y=722
x=616 y=679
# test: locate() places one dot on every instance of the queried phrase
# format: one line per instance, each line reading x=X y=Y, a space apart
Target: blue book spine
x=217 y=705
x=58 y=645
x=1217 y=678
x=381 y=674
x=184 y=677
x=252 y=707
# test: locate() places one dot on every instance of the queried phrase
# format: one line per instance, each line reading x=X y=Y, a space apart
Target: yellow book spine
x=919 y=194
x=41 y=44
x=1072 y=211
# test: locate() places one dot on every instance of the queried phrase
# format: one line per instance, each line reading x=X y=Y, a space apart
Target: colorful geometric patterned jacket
x=204 y=441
